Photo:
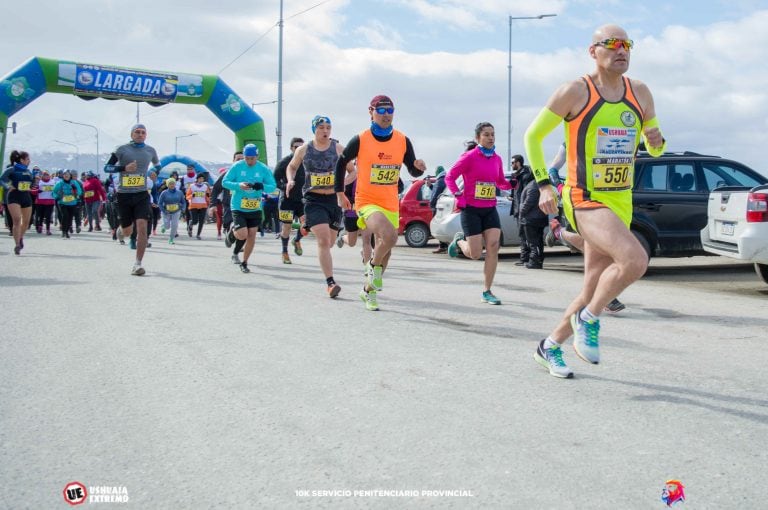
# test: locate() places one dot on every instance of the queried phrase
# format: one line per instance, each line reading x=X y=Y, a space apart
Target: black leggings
x=43 y=215
x=198 y=216
x=67 y=213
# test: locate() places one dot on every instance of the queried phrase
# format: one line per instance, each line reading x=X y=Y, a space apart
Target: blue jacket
x=66 y=193
x=248 y=200
x=170 y=197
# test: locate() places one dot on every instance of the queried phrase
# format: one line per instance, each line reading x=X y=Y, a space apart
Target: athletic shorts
x=350 y=221
x=290 y=209
x=23 y=198
x=620 y=202
x=366 y=211
x=476 y=220
x=242 y=219
x=132 y=207
x=322 y=210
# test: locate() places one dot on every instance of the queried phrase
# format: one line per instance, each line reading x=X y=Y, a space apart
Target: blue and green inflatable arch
x=40 y=75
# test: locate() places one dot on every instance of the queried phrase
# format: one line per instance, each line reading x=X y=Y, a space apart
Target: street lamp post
x=509 y=83
x=176 y=144
x=77 y=151
x=97 y=169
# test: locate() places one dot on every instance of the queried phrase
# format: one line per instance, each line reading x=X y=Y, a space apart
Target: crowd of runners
x=341 y=193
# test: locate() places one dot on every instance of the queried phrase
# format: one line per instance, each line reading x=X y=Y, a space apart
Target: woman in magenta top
x=483 y=173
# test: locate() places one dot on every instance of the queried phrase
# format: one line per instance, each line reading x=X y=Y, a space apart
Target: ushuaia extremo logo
x=76 y=493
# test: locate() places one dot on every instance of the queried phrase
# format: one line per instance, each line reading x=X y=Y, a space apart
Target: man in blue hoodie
x=248 y=180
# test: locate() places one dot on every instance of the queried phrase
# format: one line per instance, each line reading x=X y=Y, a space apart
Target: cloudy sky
x=444 y=63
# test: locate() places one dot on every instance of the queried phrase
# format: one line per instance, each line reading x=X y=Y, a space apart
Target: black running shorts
x=132 y=207
x=322 y=209
x=242 y=219
x=476 y=220
x=290 y=209
x=23 y=198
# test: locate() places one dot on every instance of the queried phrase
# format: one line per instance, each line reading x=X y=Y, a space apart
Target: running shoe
x=340 y=238
x=369 y=298
x=171 y=241
x=553 y=235
x=552 y=360
x=17 y=250
x=453 y=248
x=235 y=259
x=297 y=247
x=48 y=232
x=228 y=241
x=189 y=230
x=615 y=306
x=131 y=243
x=585 y=338
x=374 y=278
x=120 y=236
x=489 y=298
x=286 y=259
x=199 y=238
x=333 y=290
x=244 y=268
x=77 y=230
x=137 y=269
x=218 y=237
x=162 y=229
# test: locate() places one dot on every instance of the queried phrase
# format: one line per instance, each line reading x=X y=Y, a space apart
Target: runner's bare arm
x=293 y=167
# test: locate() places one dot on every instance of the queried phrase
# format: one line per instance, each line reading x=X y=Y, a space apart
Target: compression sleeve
x=542 y=125
x=111 y=167
x=348 y=154
x=654 y=151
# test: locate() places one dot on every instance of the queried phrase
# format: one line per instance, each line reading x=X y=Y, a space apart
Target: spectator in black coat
x=437 y=189
x=533 y=221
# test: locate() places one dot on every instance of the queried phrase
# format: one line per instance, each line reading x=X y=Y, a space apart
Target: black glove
x=257 y=186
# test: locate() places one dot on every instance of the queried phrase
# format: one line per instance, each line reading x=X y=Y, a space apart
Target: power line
x=262 y=36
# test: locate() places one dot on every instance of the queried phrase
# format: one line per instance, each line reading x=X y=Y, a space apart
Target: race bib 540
x=321 y=180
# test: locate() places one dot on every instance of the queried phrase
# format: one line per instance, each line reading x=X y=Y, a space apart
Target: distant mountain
x=84 y=162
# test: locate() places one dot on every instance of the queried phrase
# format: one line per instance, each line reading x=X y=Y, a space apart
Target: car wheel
x=762 y=271
x=643 y=242
x=417 y=235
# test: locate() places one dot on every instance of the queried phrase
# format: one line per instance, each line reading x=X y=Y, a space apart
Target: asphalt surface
x=197 y=386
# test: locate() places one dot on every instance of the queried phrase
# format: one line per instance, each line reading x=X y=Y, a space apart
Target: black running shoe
x=244 y=268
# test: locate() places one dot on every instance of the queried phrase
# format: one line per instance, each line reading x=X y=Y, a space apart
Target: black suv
x=670 y=198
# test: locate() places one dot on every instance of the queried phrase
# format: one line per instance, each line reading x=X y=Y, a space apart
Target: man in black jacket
x=437 y=189
x=521 y=176
x=291 y=205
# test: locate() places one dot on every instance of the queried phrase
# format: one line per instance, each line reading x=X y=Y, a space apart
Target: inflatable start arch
x=89 y=81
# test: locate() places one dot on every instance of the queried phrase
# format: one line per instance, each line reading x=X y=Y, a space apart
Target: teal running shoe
x=453 y=248
x=489 y=298
x=585 y=338
x=552 y=360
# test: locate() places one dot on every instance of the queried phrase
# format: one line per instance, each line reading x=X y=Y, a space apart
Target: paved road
x=197 y=386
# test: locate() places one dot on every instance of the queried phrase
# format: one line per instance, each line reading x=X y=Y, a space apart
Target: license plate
x=727 y=228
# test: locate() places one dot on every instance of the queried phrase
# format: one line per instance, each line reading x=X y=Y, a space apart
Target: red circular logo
x=75 y=493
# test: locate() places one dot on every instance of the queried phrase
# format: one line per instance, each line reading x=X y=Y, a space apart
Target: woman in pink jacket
x=483 y=173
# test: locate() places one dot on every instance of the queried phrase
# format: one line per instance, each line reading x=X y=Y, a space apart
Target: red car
x=415 y=213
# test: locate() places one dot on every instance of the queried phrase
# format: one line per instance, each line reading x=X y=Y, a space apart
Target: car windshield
x=721 y=174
